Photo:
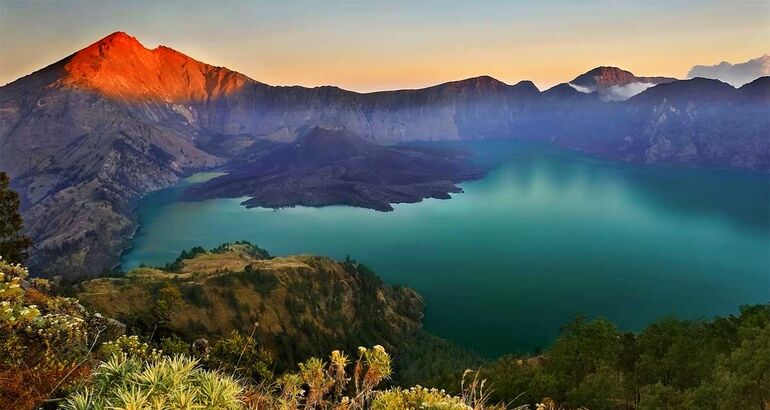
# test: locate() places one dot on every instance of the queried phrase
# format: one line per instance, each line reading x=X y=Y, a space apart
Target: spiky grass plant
x=322 y=385
x=167 y=383
x=127 y=383
x=319 y=382
x=337 y=364
x=373 y=367
x=291 y=391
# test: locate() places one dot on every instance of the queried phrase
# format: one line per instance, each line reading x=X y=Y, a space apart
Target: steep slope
x=85 y=137
x=80 y=157
x=480 y=107
x=757 y=91
x=327 y=167
x=701 y=122
x=120 y=67
x=305 y=305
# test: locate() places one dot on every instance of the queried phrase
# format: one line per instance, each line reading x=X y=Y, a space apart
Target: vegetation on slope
x=53 y=352
x=300 y=305
x=718 y=364
x=45 y=341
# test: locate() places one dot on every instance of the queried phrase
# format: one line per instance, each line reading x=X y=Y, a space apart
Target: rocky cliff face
x=84 y=138
x=691 y=122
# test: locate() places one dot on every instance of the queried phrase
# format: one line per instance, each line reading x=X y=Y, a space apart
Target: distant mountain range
x=86 y=137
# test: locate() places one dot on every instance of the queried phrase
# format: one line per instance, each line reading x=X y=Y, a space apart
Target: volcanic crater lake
x=548 y=234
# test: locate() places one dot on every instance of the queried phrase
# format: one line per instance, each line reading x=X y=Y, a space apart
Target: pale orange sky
x=367 y=46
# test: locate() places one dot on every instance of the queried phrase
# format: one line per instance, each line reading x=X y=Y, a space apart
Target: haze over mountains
x=86 y=137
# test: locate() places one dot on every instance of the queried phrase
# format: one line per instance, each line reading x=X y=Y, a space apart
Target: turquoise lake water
x=549 y=233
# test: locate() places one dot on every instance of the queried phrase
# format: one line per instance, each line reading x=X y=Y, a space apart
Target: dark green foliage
x=115 y=273
x=168 y=300
x=174 y=345
x=583 y=349
x=13 y=242
x=430 y=361
x=262 y=282
x=194 y=295
x=153 y=320
x=671 y=364
x=243 y=357
x=177 y=263
x=253 y=250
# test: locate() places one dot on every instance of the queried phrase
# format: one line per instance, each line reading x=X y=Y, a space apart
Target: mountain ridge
x=84 y=149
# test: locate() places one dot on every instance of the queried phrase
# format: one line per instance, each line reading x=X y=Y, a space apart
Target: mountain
x=86 y=137
x=757 y=91
x=326 y=167
x=121 y=68
x=612 y=83
x=699 y=121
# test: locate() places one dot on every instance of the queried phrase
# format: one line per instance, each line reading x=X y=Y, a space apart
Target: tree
x=743 y=376
x=13 y=243
x=583 y=348
x=168 y=300
x=242 y=356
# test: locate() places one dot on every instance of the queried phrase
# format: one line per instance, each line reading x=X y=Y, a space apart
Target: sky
x=380 y=45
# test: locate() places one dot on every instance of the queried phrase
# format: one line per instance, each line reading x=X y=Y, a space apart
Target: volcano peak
x=119 y=66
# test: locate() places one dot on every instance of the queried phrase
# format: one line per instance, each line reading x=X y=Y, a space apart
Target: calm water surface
x=548 y=234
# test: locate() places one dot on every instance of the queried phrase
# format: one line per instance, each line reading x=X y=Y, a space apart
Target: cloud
x=616 y=92
x=624 y=92
x=587 y=90
x=735 y=74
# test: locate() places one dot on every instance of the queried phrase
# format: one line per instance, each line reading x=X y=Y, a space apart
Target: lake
x=548 y=234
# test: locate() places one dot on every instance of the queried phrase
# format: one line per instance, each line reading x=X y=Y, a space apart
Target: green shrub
x=130 y=346
x=243 y=357
x=45 y=341
x=177 y=263
x=174 y=345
